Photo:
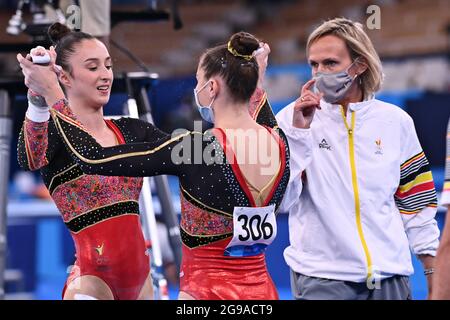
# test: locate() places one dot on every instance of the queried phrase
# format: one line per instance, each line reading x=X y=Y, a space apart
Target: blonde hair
x=359 y=45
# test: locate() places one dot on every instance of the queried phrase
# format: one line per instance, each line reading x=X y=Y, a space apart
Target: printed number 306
x=255 y=228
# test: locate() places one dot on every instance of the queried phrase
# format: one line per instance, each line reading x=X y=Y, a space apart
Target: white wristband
x=37 y=114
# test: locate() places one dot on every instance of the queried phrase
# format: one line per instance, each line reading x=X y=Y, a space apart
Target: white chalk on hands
x=80 y=296
x=40 y=59
x=256 y=52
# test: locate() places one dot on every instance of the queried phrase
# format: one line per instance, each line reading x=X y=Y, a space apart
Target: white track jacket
x=368 y=194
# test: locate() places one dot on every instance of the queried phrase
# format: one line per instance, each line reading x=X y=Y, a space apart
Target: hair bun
x=57 y=31
x=243 y=44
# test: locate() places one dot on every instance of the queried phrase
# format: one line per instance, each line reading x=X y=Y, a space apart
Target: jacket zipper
x=351 y=143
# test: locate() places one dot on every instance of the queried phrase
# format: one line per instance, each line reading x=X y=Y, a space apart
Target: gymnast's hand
x=262 y=56
x=41 y=79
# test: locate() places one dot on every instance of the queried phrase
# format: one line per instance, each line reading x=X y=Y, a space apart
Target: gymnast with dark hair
x=232 y=177
x=101 y=213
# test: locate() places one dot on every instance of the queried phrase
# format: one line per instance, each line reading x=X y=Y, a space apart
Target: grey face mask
x=334 y=86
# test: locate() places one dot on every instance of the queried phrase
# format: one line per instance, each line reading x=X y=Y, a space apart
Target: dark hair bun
x=57 y=31
x=244 y=43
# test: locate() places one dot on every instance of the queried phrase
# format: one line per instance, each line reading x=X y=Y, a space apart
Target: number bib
x=253 y=230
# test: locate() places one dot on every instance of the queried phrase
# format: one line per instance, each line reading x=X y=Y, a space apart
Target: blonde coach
x=368 y=194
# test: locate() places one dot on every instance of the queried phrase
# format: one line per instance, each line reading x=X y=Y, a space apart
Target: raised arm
x=161 y=156
x=295 y=120
x=259 y=106
x=38 y=141
x=140 y=131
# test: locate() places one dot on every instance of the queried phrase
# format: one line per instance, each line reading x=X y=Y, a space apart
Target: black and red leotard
x=101 y=212
x=211 y=187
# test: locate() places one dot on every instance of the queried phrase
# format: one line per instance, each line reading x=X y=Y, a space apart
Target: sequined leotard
x=101 y=213
x=210 y=190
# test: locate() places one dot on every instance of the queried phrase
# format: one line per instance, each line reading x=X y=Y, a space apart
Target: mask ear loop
x=202 y=87
x=356 y=74
x=212 y=101
x=211 y=104
x=351 y=65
